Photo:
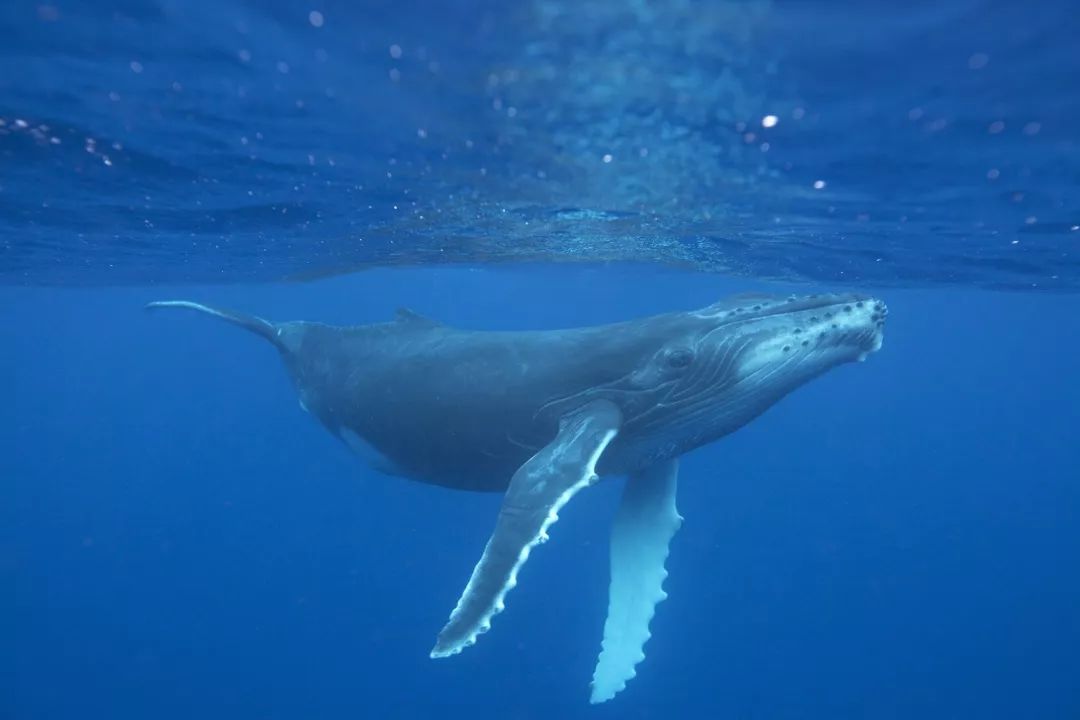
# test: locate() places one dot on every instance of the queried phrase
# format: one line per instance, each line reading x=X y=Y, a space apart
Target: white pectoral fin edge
x=646 y=521
x=538 y=490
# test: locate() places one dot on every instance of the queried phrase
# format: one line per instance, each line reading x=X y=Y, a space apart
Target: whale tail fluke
x=251 y=323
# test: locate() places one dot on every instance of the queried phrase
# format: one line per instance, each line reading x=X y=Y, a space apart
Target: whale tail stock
x=251 y=323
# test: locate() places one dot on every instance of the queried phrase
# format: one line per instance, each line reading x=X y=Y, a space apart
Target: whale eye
x=679 y=357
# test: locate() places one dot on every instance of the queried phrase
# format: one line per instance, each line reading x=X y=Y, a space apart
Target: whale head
x=719 y=367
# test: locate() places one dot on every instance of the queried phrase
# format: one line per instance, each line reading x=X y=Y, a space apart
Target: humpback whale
x=541 y=415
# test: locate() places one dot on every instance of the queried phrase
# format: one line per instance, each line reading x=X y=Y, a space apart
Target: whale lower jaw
x=875 y=345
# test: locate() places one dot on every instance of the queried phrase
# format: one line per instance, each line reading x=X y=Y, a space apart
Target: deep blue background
x=897 y=539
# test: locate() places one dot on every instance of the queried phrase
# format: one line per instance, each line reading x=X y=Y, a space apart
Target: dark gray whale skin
x=460 y=408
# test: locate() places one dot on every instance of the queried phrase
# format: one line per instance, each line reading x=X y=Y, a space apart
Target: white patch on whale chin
x=367 y=452
x=874 y=348
x=878 y=338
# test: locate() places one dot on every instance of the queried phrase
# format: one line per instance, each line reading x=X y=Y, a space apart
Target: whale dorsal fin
x=406 y=315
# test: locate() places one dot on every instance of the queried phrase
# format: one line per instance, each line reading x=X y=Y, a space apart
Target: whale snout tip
x=854 y=322
x=879 y=311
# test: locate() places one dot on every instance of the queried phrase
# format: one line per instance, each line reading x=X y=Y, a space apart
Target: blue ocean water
x=897 y=539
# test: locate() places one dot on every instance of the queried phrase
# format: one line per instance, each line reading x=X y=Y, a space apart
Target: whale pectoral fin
x=644 y=525
x=537 y=492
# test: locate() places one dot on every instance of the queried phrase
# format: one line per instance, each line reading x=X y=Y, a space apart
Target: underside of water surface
x=914 y=144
